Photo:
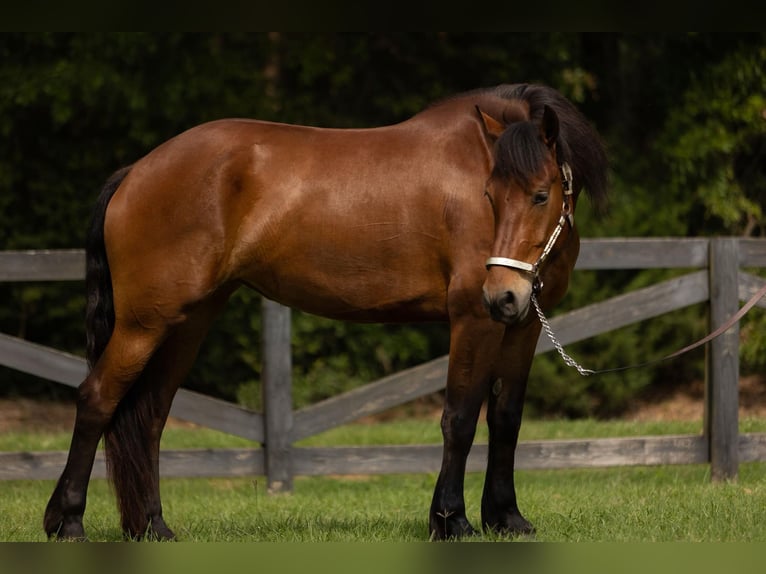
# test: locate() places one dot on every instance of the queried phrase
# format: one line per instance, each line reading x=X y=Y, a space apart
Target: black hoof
x=513 y=524
x=65 y=530
x=159 y=531
x=446 y=526
x=156 y=531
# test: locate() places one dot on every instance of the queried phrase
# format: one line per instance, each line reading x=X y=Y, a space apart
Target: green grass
x=626 y=504
x=640 y=504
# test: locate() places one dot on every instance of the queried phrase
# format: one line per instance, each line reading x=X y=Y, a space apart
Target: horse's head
x=531 y=200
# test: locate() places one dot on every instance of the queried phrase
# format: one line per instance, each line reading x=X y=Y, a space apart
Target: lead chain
x=548 y=331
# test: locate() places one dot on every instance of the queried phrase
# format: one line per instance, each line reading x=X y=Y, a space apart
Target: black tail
x=126 y=442
x=99 y=313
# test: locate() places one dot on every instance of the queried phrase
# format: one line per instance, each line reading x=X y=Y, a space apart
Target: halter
x=567 y=216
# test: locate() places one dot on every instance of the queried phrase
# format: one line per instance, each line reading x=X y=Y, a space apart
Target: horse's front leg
x=499 y=508
x=472 y=347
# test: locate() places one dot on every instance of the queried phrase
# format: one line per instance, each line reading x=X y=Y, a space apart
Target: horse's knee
x=504 y=413
x=458 y=428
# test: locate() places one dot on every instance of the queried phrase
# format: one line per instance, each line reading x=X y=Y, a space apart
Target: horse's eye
x=540 y=198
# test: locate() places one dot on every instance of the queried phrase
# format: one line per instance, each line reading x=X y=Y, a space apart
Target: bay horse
x=461 y=213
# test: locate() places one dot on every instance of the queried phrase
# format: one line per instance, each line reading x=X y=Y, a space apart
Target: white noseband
x=512 y=263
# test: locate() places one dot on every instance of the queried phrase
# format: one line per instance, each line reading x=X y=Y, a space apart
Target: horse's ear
x=492 y=127
x=550 y=126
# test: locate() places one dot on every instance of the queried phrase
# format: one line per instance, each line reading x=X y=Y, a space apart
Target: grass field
x=637 y=504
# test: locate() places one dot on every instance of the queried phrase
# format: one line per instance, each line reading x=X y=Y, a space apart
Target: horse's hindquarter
x=353 y=224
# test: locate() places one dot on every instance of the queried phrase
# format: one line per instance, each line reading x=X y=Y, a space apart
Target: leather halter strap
x=512 y=263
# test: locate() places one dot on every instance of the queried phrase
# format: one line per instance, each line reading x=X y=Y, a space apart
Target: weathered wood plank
x=642 y=253
x=393 y=459
x=218 y=415
x=749 y=285
x=722 y=372
x=70 y=370
x=652 y=450
x=186 y=463
x=277 y=395
x=41 y=465
x=41 y=361
x=372 y=398
x=752 y=447
x=532 y=455
x=388 y=459
x=43 y=265
x=202 y=463
x=752 y=252
x=627 y=309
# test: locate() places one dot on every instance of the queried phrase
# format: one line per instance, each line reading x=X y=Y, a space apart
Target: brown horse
x=458 y=214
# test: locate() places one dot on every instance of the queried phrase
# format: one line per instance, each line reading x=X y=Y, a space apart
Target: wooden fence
x=715 y=276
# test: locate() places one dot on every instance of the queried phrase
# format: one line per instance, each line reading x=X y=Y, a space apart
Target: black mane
x=578 y=142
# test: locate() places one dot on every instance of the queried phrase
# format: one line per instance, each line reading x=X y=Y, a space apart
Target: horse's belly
x=369 y=292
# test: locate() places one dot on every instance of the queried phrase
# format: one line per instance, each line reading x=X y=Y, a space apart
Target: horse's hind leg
x=120 y=365
x=136 y=473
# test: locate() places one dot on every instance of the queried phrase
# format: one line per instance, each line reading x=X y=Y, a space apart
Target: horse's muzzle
x=509 y=306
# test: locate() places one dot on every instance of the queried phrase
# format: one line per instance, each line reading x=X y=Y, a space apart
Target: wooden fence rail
x=715 y=276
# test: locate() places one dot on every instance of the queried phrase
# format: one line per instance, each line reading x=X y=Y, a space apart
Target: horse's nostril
x=503 y=307
x=507 y=307
x=509 y=299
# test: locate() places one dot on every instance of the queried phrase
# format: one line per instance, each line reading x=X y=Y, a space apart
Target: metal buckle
x=566 y=178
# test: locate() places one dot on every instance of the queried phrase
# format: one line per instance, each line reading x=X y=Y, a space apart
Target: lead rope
x=586 y=372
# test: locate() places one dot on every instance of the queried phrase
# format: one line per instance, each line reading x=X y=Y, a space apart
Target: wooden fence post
x=722 y=362
x=277 y=396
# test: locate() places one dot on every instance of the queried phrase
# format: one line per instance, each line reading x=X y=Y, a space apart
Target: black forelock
x=520 y=153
